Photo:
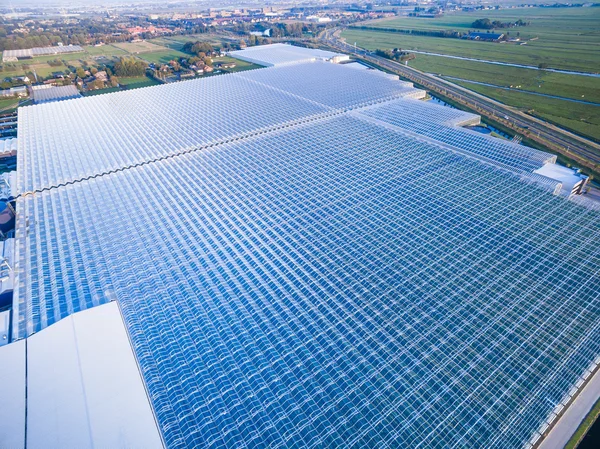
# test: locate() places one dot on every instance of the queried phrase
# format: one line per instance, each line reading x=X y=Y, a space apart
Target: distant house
x=58 y=75
x=491 y=37
x=101 y=75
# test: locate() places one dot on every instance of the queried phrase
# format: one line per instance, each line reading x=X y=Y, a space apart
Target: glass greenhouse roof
x=320 y=276
x=410 y=117
x=137 y=126
x=280 y=54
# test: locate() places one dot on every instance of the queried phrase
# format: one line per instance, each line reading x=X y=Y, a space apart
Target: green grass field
x=135 y=82
x=140 y=47
x=168 y=42
x=8 y=104
x=568 y=38
x=570 y=86
x=163 y=57
x=240 y=65
x=104 y=50
x=41 y=70
x=582 y=119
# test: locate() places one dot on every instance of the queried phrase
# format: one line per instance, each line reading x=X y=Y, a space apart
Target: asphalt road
x=582 y=150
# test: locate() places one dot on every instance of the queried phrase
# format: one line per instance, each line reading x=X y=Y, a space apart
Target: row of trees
x=198 y=47
x=85 y=31
x=280 y=29
x=257 y=40
x=396 y=54
x=129 y=66
x=487 y=24
x=202 y=52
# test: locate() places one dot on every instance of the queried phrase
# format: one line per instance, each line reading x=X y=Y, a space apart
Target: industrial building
x=324 y=260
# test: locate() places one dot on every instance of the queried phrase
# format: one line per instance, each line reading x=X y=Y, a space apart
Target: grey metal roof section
x=12 y=392
x=84 y=388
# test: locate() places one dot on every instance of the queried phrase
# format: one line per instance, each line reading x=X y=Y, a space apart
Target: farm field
x=580 y=118
x=570 y=86
x=169 y=42
x=134 y=82
x=139 y=47
x=567 y=38
x=107 y=50
x=163 y=56
x=7 y=104
x=173 y=41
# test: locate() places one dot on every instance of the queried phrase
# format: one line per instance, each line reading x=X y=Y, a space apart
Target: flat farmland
x=169 y=42
x=139 y=47
x=163 y=56
x=567 y=38
x=8 y=104
x=540 y=81
x=107 y=50
x=580 y=118
x=135 y=82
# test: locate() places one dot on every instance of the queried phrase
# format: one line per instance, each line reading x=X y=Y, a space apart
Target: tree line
x=487 y=24
x=396 y=54
x=129 y=66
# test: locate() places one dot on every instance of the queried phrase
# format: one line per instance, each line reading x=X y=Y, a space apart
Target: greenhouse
x=280 y=54
x=320 y=261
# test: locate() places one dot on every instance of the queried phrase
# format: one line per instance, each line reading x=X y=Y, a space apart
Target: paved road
x=582 y=150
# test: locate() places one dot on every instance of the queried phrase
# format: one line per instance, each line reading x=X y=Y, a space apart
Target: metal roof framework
x=331 y=277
